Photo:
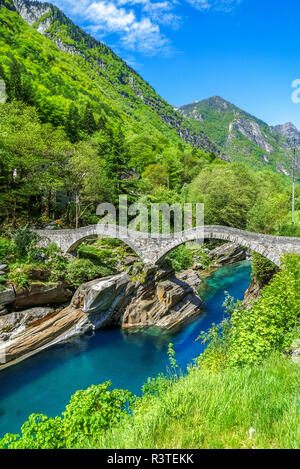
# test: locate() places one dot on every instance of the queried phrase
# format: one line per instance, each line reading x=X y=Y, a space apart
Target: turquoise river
x=45 y=382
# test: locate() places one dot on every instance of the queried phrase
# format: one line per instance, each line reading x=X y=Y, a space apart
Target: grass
x=217 y=410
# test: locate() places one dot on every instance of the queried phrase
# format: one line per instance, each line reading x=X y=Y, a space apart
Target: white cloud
x=145 y=37
x=220 y=5
x=106 y=14
x=137 y=23
x=136 y=34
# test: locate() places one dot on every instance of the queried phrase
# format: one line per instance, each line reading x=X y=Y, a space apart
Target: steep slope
x=65 y=65
x=290 y=132
x=241 y=136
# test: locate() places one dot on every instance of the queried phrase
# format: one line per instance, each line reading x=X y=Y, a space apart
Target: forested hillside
x=69 y=66
x=71 y=100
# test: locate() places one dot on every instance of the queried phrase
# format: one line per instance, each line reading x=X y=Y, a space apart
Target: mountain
x=291 y=133
x=65 y=65
x=241 y=136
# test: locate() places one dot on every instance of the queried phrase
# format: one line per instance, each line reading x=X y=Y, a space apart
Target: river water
x=45 y=382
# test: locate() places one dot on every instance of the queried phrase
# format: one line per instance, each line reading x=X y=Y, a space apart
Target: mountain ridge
x=94 y=72
x=240 y=135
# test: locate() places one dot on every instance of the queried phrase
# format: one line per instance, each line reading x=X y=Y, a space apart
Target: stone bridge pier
x=153 y=247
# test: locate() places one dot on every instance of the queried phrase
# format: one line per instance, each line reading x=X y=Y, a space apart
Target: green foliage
x=51 y=249
x=5 y=248
x=88 y=121
x=217 y=117
x=89 y=414
x=97 y=256
x=181 y=258
x=172 y=357
x=18 y=87
x=215 y=410
x=18 y=277
x=24 y=244
x=271 y=324
x=87 y=91
x=272 y=321
x=287 y=229
x=158 y=385
x=228 y=193
x=58 y=266
x=262 y=269
x=80 y=271
x=157 y=174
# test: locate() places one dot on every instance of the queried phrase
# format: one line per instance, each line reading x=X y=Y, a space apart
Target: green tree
x=88 y=121
x=88 y=179
x=73 y=124
x=17 y=86
x=157 y=175
x=228 y=193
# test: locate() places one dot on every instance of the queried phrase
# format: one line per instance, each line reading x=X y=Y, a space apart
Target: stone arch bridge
x=153 y=247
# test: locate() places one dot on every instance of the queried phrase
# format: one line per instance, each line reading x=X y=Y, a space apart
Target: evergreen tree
x=73 y=124
x=17 y=86
x=88 y=122
x=101 y=125
x=117 y=161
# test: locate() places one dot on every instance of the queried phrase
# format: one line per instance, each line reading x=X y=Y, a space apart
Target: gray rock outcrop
x=7 y=296
x=39 y=294
x=228 y=253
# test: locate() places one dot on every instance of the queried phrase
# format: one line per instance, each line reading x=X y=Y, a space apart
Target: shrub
x=181 y=258
x=97 y=256
x=270 y=325
x=24 y=244
x=89 y=414
x=82 y=270
x=289 y=230
x=57 y=265
x=262 y=269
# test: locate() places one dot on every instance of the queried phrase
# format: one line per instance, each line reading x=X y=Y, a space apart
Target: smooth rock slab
x=13 y=324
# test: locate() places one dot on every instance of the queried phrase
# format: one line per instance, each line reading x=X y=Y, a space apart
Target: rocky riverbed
x=154 y=296
x=160 y=298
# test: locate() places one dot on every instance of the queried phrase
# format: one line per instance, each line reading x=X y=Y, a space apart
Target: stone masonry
x=152 y=247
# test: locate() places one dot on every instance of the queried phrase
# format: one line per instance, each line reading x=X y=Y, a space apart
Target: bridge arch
x=152 y=247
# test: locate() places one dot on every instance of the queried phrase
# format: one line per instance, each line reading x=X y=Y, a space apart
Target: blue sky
x=247 y=51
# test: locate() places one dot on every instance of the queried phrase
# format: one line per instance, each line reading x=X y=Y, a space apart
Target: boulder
x=3 y=310
x=3 y=267
x=228 y=253
x=41 y=295
x=191 y=277
x=7 y=296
